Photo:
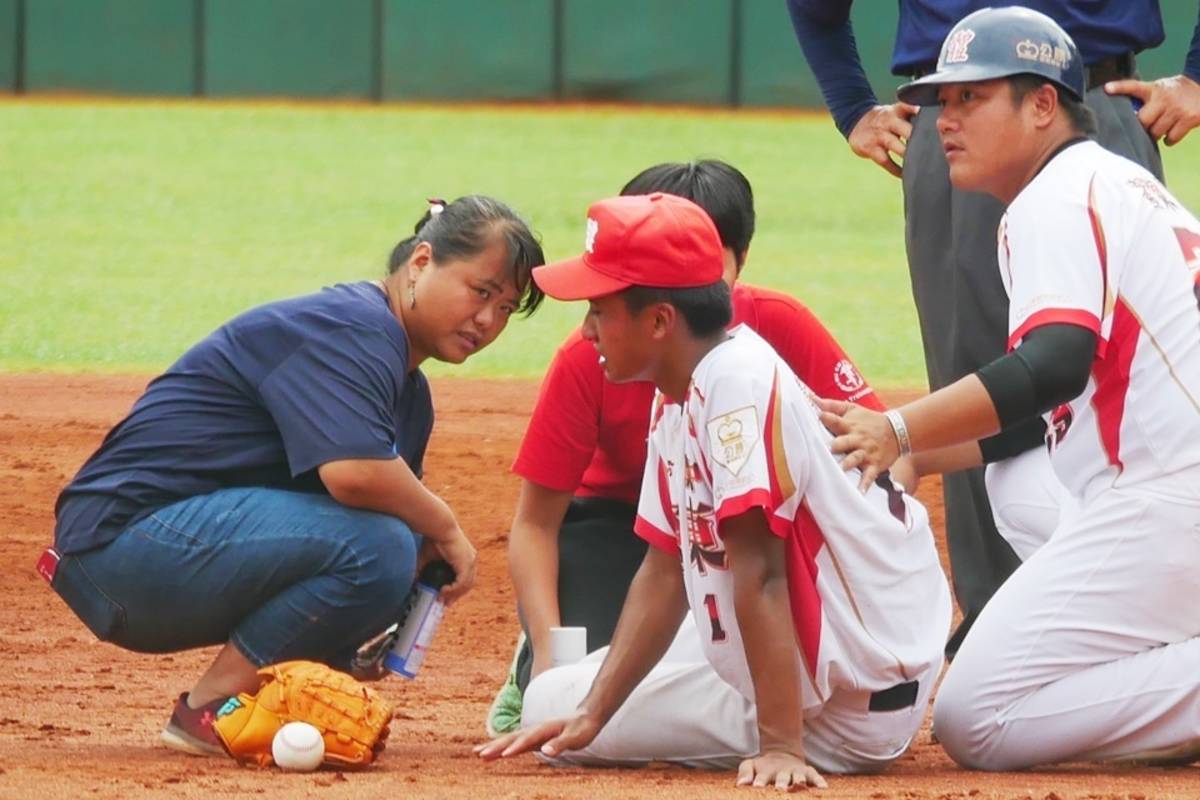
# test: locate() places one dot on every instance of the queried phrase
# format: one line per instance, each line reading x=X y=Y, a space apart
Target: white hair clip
x=436 y=206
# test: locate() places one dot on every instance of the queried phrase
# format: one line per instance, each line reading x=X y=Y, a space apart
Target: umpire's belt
x=902 y=695
x=1113 y=68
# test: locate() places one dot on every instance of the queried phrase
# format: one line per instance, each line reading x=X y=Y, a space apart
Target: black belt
x=592 y=507
x=902 y=695
x=1113 y=68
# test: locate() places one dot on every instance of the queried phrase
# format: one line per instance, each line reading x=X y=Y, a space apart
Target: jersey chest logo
x=1189 y=243
x=707 y=549
x=732 y=436
x=1060 y=422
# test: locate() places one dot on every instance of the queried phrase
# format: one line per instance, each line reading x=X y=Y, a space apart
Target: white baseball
x=298 y=747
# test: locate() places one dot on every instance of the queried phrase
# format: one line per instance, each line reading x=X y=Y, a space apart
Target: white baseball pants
x=1090 y=651
x=683 y=712
x=1027 y=500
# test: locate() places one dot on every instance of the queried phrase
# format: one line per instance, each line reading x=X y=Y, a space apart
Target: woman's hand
x=390 y=487
x=456 y=549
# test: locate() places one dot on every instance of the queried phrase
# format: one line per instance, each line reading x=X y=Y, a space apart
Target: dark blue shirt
x=1100 y=28
x=263 y=401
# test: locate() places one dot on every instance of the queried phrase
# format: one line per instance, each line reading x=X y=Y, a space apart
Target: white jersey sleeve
x=1063 y=278
x=742 y=442
x=1095 y=240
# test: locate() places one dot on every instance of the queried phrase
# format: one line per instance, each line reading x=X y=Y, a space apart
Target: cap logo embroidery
x=956 y=46
x=1043 y=53
x=589 y=242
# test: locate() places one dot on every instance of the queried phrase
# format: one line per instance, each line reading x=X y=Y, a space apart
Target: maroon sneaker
x=191 y=729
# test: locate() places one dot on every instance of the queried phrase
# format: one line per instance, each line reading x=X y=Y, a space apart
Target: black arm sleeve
x=1050 y=367
x=1014 y=440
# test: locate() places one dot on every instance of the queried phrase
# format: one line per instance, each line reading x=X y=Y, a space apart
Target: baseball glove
x=352 y=718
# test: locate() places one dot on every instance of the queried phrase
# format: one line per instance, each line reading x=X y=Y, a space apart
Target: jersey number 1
x=714 y=617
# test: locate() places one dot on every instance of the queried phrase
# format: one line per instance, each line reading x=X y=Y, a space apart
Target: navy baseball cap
x=996 y=43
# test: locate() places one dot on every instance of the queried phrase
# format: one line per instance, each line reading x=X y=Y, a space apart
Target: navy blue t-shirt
x=263 y=401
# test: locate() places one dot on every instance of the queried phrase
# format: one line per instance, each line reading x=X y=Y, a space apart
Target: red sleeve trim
x=755 y=498
x=656 y=536
x=1050 y=316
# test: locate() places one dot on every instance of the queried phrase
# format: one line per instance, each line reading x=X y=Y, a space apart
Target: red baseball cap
x=655 y=240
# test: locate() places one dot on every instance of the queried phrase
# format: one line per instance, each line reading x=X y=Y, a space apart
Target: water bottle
x=419 y=620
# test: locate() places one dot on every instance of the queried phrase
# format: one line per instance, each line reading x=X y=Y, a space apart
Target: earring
x=412 y=295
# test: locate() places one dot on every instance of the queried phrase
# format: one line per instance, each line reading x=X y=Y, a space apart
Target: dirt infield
x=81 y=719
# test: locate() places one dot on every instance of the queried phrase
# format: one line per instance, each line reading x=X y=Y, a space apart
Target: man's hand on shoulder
x=779 y=769
x=882 y=132
x=1170 y=106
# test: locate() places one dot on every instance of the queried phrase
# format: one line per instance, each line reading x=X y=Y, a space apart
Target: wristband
x=901 y=431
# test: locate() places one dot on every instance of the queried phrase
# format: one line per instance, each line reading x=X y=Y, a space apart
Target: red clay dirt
x=79 y=718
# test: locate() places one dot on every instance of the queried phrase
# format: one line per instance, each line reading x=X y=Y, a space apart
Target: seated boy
x=822 y=610
x=572 y=551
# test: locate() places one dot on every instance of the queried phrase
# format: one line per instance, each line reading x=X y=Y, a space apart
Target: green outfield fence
x=709 y=52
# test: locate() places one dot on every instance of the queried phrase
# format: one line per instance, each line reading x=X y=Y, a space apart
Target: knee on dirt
x=968 y=728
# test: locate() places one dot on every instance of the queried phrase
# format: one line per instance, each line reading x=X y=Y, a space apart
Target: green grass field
x=130 y=230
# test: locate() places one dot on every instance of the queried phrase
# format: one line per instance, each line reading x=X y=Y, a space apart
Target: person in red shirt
x=572 y=550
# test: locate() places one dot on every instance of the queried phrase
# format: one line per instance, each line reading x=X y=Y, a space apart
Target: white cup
x=567 y=645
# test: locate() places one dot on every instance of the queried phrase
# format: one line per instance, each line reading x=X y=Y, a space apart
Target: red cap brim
x=574 y=279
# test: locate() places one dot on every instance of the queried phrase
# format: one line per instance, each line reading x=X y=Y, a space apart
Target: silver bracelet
x=901 y=431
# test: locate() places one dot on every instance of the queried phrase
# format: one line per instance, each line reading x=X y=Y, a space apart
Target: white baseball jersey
x=1123 y=262
x=868 y=597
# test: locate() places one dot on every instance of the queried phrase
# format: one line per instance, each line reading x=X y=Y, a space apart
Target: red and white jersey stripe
x=868 y=597
x=1094 y=240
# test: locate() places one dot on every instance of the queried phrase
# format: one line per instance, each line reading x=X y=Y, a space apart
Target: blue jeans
x=282 y=575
